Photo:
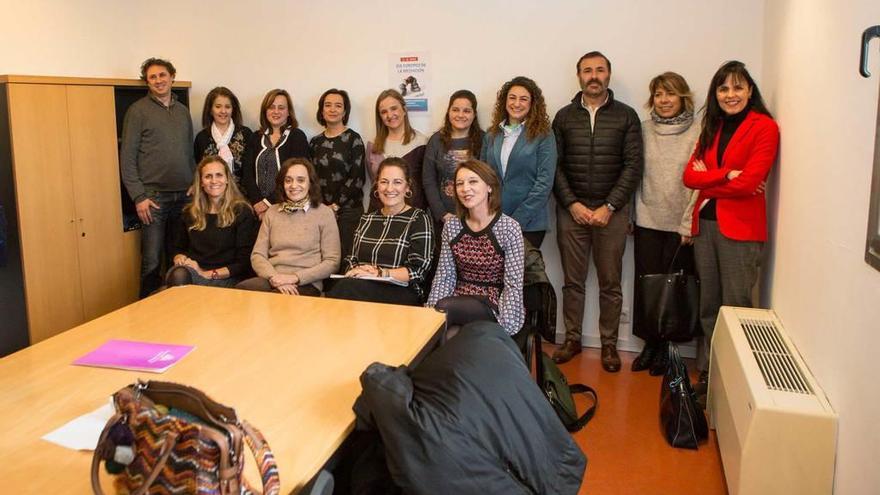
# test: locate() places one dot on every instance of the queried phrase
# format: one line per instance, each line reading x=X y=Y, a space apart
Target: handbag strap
x=259 y=447
x=585 y=418
x=576 y=388
x=674 y=256
x=169 y=440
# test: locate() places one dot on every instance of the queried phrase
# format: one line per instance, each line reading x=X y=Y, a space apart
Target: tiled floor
x=626 y=452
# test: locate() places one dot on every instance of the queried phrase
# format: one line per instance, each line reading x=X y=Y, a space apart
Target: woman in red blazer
x=737 y=146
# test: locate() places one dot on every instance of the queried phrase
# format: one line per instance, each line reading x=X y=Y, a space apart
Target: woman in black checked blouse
x=393 y=245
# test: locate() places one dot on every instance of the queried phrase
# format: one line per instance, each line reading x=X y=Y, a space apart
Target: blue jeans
x=156 y=237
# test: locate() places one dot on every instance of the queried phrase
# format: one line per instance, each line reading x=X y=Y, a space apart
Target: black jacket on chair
x=469 y=420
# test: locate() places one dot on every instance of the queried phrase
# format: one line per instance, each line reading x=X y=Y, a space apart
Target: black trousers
x=371 y=291
x=653 y=253
x=347 y=220
x=535 y=238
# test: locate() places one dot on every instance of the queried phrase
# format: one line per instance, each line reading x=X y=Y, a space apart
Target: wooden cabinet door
x=46 y=214
x=109 y=278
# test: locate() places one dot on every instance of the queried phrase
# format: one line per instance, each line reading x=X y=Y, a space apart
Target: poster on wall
x=409 y=73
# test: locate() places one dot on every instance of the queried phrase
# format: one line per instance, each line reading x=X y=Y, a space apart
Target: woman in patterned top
x=223 y=134
x=459 y=140
x=480 y=272
x=394 y=243
x=278 y=140
x=338 y=155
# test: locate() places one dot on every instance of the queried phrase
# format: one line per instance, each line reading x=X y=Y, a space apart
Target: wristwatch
x=610 y=207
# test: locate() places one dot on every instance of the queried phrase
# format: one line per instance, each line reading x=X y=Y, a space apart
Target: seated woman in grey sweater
x=298 y=243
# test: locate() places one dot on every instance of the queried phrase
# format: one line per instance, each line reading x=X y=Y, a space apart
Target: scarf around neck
x=222 y=142
x=289 y=206
x=685 y=117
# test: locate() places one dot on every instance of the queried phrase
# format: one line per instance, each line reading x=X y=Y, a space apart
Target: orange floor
x=626 y=452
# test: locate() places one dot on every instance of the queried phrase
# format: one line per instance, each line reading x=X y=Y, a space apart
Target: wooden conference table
x=289 y=365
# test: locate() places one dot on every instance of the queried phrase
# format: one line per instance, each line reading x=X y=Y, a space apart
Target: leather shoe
x=645 y=359
x=610 y=358
x=661 y=362
x=567 y=351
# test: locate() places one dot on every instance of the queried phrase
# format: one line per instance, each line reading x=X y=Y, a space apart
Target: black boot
x=661 y=360
x=647 y=356
x=701 y=386
x=701 y=389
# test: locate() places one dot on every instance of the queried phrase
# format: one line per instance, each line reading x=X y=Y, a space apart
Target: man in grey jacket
x=599 y=144
x=156 y=159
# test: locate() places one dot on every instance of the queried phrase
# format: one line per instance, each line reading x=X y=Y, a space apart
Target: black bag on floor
x=670 y=305
x=681 y=418
x=556 y=388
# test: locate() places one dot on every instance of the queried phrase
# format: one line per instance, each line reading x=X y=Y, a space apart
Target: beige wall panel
x=103 y=253
x=44 y=193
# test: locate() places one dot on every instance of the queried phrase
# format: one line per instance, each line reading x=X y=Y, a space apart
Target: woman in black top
x=222 y=133
x=279 y=139
x=338 y=155
x=213 y=242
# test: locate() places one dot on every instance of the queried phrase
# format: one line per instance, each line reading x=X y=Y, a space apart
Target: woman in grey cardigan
x=663 y=205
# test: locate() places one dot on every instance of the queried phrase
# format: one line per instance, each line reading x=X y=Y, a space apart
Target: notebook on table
x=134 y=355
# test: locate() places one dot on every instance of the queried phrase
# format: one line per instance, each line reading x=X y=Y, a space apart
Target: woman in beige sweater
x=298 y=243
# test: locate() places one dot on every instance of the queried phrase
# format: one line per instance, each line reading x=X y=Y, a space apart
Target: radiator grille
x=775 y=361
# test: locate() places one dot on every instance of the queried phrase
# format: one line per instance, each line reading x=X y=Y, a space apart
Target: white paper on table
x=83 y=432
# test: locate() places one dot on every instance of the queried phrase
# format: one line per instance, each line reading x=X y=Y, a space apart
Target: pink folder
x=132 y=355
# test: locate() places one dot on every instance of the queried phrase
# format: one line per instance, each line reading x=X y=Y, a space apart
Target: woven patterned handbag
x=169 y=438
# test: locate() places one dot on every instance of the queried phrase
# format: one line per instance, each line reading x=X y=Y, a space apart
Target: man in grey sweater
x=156 y=159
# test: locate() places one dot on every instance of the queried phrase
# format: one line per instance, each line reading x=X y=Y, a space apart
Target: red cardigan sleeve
x=705 y=179
x=761 y=153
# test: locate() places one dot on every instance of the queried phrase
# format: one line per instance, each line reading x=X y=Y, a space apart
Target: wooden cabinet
x=65 y=225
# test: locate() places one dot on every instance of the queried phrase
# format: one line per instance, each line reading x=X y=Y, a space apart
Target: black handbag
x=681 y=418
x=556 y=388
x=670 y=305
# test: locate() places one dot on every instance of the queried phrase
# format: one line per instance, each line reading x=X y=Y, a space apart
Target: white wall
x=307 y=47
x=822 y=289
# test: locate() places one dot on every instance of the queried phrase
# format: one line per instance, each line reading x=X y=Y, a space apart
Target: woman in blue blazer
x=521 y=147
